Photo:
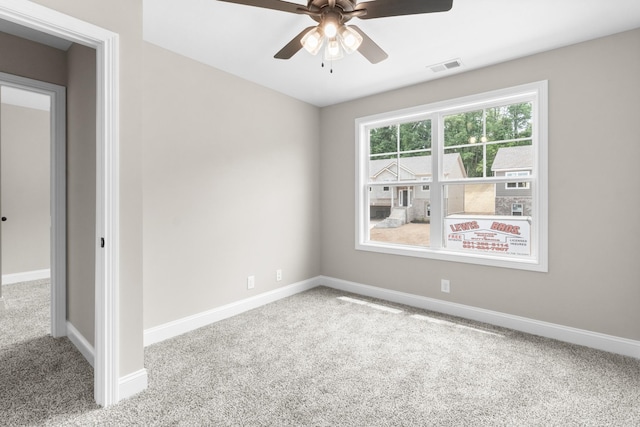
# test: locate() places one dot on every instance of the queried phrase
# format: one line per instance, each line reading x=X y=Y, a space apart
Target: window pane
x=415 y=166
x=510 y=158
x=400 y=215
x=482 y=218
x=415 y=135
x=383 y=170
x=509 y=122
x=463 y=162
x=463 y=128
x=383 y=140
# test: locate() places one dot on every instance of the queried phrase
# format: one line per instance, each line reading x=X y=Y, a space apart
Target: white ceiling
x=242 y=40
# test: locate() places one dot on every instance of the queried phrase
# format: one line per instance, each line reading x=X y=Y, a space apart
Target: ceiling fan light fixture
x=333 y=51
x=313 y=40
x=350 y=39
x=330 y=25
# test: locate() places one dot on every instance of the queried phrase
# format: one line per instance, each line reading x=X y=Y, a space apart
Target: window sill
x=514 y=262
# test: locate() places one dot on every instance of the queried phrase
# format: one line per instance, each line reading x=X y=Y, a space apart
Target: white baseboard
x=128 y=385
x=178 y=327
x=568 y=334
x=26 y=276
x=132 y=383
x=81 y=343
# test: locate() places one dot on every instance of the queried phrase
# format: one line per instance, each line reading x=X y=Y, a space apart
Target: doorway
x=29 y=224
x=405 y=200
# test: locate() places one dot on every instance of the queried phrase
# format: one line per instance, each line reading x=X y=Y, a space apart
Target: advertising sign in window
x=504 y=235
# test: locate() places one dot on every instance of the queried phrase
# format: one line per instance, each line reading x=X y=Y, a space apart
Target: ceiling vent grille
x=447 y=65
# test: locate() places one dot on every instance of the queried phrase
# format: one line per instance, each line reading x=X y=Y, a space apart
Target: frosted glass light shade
x=350 y=39
x=333 y=51
x=312 y=41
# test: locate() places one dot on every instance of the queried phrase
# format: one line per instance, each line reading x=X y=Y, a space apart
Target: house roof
x=509 y=158
x=420 y=166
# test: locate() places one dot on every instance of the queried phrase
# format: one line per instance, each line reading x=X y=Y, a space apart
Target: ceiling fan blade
x=369 y=49
x=384 y=8
x=271 y=4
x=293 y=46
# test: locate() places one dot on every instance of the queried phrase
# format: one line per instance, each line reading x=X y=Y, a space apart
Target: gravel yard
x=408 y=234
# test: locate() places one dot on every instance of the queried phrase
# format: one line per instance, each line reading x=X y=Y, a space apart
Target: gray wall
x=81 y=189
x=25 y=143
x=231 y=188
x=33 y=60
x=592 y=283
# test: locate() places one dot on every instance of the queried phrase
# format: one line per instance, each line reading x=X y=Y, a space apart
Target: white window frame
x=537 y=93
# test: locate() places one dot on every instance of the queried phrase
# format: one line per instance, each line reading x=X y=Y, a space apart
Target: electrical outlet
x=445 y=285
x=251 y=282
x=278 y=275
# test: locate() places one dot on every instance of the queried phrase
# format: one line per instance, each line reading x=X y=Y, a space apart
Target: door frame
x=106 y=44
x=58 y=194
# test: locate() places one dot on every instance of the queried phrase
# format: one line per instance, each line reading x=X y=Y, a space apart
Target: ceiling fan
x=332 y=15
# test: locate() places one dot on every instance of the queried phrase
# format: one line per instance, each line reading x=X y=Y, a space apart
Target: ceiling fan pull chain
x=330 y=65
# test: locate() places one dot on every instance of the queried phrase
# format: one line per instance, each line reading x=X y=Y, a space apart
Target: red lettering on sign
x=464 y=226
x=506 y=228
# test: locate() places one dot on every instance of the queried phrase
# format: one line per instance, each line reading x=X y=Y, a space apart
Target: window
x=516 y=185
x=446 y=172
x=517 y=209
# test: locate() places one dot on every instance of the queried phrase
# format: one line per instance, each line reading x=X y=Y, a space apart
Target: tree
x=475 y=135
x=384 y=140
x=470 y=133
x=407 y=136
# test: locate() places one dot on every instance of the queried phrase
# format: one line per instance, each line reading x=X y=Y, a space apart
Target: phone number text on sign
x=491 y=234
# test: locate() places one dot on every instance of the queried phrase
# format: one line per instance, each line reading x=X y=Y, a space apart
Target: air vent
x=448 y=65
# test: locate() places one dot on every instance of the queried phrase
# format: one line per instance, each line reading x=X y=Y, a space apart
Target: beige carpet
x=320 y=359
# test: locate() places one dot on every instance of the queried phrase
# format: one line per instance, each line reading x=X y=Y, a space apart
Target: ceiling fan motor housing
x=344 y=10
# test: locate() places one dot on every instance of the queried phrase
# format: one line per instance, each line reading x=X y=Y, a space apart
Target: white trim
x=26 y=276
x=128 y=385
x=58 y=188
x=81 y=343
x=107 y=220
x=133 y=383
x=178 y=327
x=568 y=334
x=40 y=18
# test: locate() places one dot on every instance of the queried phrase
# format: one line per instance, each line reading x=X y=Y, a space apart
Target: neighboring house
x=413 y=199
x=513 y=198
